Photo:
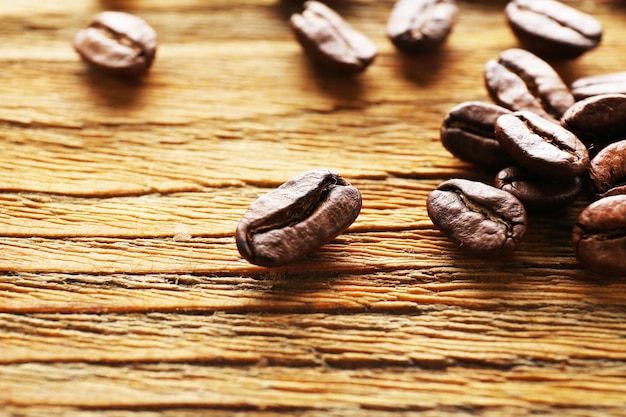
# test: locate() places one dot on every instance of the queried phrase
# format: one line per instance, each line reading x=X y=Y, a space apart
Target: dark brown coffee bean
x=468 y=133
x=598 y=119
x=599 y=236
x=552 y=29
x=480 y=218
x=519 y=80
x=537 y=193
x=607 y=173
x=614 y=83
x=421 y=25
x=118 y=43
x=297 y=218
x=542 y=146
x=327 y=38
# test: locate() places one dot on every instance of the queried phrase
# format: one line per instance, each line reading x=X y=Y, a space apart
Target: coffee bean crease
x=486 y=212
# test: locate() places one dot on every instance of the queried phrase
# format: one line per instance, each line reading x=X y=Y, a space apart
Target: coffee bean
x=599 y=236
x=297 y=218
x=542 y=146
x=520 y=80
x=537 y=193
x=421 y=25
x=599 y=119
x=468 y=133
x=118 y=43
x=480 y=218
x=552 y=29
x=607 y=173
x=614 y=83
x=327 y=38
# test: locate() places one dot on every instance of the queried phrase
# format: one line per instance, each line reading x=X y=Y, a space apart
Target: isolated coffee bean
x=607 y=173
x=520 y=80
x=328 y=39
x=614 y=83
x=478 y=217
x=542 y=146
x=421 y=25
x=537 y=193
x=599 y=236
x=297 y=218
x=467 y=132
x=598 y=119
x=118 y=43
x=552 y=29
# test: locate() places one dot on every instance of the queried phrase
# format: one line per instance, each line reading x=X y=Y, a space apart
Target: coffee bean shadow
x=293 y=286
x=421 y=68
x=490 y=4
x=120 y=5
x=114 y=92
x=616 y=4
x=285 y=8
x=345 y=88
x=567 y=69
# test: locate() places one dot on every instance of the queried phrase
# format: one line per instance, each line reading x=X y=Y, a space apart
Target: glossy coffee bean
x=118 y=43
x=421 y=25
x=552 y=29
x=328 y=39
x=599 y=236
x=614 y=83
x=607 y=173
x=598 y=119
x=542 y=146
x=478 y=217
x=297 y=218
x=468 y=133
x=520 y=80
x=537 y=193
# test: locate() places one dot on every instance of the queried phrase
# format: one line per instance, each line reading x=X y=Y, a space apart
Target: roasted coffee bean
x=598 y=119
x=421 y=25
x=537 y=193
x=552 y=29
x=468 y=133
x=520 y=80
x=327 y=38
x=478 y=217
x=599 y=236
x=297 y=218
x=607 y=173
x=614 y=83
x=118 y=43
x=542 y=146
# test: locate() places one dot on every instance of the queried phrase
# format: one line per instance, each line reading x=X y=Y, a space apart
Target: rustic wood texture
x=121 y=289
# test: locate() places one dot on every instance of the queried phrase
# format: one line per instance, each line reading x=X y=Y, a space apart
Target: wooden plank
x=176 y=385
x=435 y=338
x=395 y=292
x=391 y=204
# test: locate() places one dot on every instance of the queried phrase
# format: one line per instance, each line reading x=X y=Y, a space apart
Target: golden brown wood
x=121 y=289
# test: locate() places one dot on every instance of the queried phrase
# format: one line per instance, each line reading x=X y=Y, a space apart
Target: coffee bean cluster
x=547 y=142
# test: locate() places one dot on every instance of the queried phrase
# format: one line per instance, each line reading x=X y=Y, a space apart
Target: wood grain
x=121 y=289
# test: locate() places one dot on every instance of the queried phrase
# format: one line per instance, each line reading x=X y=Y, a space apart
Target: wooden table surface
x=121 y=288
